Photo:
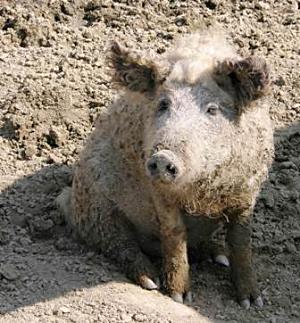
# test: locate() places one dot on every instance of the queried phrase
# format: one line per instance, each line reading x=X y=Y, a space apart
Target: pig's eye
x=163 y=105
x=212 y=108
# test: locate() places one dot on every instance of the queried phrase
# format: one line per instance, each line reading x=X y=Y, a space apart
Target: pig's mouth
x=164 y=167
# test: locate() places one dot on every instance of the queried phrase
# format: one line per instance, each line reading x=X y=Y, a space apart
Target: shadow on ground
x=42 y=263
x=39 y=260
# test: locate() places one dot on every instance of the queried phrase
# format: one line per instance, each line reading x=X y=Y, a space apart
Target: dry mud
x=53 y=83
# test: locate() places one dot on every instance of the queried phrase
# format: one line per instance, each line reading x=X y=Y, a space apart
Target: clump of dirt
x=54 y=82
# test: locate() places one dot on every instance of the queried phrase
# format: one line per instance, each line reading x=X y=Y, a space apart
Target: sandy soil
x=53 y=83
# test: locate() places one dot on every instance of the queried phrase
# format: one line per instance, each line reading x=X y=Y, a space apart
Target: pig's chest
x=135 y=200
x=142 y=214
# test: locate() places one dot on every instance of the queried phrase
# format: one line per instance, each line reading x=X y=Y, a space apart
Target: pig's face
x=192 y=110
x=188 y=129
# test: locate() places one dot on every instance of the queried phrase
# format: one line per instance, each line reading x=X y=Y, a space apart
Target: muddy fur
x=223 y=158
x=135 y=71
x=248 y=79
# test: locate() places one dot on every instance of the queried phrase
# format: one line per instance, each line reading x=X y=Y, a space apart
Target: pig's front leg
x=243 y=275
x=174 y=249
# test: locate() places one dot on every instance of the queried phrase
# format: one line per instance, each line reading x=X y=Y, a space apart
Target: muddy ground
x=53 y=84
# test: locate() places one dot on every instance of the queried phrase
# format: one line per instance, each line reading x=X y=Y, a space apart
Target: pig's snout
x=163 y=166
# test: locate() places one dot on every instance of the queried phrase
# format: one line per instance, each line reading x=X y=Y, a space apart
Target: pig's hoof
x=148 y=283
x=188 y=298
x=222 y=260
x=157 y=282
x=177 y=297
x=183 y=299
x=245 y=303
x=258 y=302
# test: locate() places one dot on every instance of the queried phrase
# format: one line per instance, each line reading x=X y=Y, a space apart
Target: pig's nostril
x=171 y=169
x=152 y=167
x=160 y=167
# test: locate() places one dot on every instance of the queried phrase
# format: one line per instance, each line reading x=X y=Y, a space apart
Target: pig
x=182 y=151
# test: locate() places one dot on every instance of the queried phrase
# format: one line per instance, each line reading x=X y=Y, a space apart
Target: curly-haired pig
x=185 y=146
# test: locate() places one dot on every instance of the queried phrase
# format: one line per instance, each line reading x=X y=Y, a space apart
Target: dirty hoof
x=245 y=303
x=148 y=283
x=177 y=297
x=188 y=298
x=222 y=260
x=157 y=282
x=258 y=302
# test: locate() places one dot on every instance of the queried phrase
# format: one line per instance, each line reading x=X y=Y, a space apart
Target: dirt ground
x=53 y=84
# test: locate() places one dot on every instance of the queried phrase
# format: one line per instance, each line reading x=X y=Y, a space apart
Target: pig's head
x=191 y=111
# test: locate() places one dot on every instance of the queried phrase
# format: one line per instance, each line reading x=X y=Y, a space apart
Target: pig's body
x=121 y=199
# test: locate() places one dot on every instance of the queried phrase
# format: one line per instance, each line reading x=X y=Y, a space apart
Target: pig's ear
x=134 y=71
x=247 y=79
